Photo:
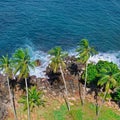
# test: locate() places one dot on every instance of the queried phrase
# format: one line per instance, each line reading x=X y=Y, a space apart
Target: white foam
x=109 y=56
x=45 y=60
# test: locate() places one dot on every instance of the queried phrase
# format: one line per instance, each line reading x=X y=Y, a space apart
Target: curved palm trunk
x=96 y=100
x=103 y=100
x=79 y=87
x=84 y=93
x=66 y=91
x=11 y=98
x=28 y=108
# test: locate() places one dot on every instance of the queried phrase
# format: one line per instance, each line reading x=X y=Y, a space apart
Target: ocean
x=42 y=24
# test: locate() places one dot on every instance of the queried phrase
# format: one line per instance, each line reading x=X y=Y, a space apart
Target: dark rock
x=33 y=80
x=52 y=77
x=37 y=62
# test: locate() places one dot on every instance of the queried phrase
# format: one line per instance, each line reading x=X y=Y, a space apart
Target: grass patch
x=53 y=111
x=61 y=113
x=76 y=114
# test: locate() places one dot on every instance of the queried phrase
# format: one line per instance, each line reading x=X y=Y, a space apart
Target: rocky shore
x=51 y=86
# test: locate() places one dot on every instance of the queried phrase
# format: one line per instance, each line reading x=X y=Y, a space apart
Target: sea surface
x=42 y=24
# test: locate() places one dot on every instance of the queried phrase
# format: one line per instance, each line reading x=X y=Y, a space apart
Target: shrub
x=116 y=95
x=35 y=98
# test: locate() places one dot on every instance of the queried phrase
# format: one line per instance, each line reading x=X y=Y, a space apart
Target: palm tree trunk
x=27 y=98
x=84 y=93
x=11 y=98
x=66 y=102
x=66 y=91
x=71 y=86
x=96 y=100
x=103 y=100
x=79 y=87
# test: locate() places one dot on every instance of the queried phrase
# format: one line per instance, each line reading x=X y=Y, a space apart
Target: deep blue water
x=43 y=24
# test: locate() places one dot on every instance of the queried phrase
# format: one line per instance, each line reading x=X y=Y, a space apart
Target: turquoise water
x=43 y=24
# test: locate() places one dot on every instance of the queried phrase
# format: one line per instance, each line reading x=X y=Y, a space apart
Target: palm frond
x=116 y=74
x=113 y=82
x=57 y=58
x=103 y=80
x=22 y=62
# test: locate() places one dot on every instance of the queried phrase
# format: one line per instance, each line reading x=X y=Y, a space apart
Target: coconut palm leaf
x=116 y=74
x=57 y=58
x=103 y=80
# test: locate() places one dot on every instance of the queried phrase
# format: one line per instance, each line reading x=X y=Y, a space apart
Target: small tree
x=5 y=65
x=84 y=53
x=107 y=81
x=23 y=63
x=57 y=63
x=35 y=99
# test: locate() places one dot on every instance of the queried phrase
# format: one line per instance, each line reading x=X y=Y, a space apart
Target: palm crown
x=22 y=62
x=85 y=51
x=57 y=58
x=108 y=78
x=5 y=65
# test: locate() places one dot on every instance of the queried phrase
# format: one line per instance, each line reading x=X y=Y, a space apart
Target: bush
x=35 y=98
x=101 y=66
x=116 y=95
x=92 y=73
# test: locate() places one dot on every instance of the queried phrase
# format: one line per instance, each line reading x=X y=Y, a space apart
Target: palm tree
x=107 y=81
x=84 y=53
x=57 y=63
x=5 y=65
x=35 y=99
x=23 y=64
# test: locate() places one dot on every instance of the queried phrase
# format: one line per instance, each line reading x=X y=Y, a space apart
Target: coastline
x=39 y=72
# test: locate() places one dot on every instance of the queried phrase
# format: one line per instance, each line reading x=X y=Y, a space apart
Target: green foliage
x=88 y=113
x=60 y=114
x=5 y=65
x=110 y=68
x=109 y=114
x=57 y=58
x=107 y=97
x=103 y=68
x=108 y=74
x=116 y=95
x=92 y=74
x=85 y=51
x=76 y=114
x=105 y=65
x=35 y=99
x=22 y=63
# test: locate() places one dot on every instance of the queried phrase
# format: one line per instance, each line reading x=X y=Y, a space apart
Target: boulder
x=37 y=62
